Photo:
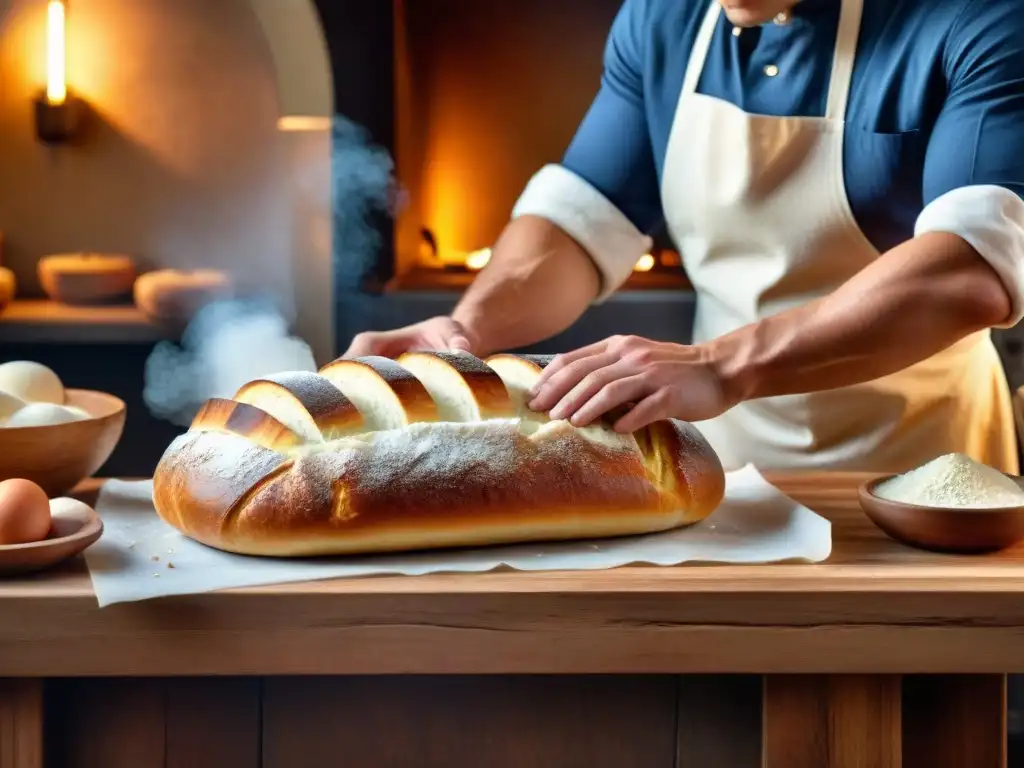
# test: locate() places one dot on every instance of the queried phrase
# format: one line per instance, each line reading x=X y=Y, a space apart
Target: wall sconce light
x=58 y=112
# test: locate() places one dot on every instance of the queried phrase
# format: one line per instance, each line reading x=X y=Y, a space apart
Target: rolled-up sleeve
x=974 y=168
x=604 y=194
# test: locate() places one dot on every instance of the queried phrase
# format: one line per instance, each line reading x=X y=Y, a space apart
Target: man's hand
x=438 y=334
x=663 y=380
x=907 y=305
x=537 y=283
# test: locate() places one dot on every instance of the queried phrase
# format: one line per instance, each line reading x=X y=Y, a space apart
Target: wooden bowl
x=59 y=456
x=86 y=278
x=75 y=527
x=940 y=529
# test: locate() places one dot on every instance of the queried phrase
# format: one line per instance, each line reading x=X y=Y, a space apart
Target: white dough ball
x=9 y=405
x=43 y=415
x=31 y=382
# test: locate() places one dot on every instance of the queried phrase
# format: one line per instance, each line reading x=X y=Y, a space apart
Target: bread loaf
x=430 y=451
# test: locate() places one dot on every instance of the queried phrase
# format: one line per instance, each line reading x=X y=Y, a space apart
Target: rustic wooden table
x=882 y=657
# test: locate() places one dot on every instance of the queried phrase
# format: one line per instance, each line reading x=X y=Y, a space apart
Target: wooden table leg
x=832 y=721
x=21 y=723
x=954 y=721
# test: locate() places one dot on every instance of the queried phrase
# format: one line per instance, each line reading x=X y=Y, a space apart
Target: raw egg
x=24 y=512
x=45 y=415
x=9 y=405
x=31 y=382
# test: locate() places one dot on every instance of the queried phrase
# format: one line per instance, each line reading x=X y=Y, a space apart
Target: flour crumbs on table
x=953 y=481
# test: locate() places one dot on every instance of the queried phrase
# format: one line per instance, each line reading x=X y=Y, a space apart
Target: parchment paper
x=140 y=557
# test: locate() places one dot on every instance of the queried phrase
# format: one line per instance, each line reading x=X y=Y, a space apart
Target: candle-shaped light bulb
x=56 y=47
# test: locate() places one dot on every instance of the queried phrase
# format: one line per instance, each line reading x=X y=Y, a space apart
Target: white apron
x=758 y=208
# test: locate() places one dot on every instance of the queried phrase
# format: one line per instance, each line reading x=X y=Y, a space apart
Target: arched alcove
x=301 y=59
x=302 y=67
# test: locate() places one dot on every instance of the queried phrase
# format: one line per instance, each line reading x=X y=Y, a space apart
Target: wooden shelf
x=40 y=321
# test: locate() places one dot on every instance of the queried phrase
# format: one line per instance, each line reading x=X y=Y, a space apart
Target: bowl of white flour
x=951 y=504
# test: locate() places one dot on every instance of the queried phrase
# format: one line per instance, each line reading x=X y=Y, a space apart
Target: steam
x=231 y=342
x=227 y=344
x=364 y=187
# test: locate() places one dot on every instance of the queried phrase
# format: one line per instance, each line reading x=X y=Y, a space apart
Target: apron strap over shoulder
x=701 y=46
x=847 y=37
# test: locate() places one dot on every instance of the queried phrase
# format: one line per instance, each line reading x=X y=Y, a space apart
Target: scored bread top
x=212 y=483
x=388 y=395
x=283 y=411
x=519 y=373
x=287 y=412
x=306 y=403
x=435 y=449
x=233 y=418
x=463 y=386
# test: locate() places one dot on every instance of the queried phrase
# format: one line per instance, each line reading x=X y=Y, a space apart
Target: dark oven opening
x=470 y=99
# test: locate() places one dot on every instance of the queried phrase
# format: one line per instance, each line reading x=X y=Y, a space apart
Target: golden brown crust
x=540 y=362
x=434 y=484
x=202 y=478
x=683 y=466
x=537 y=362
x=488 y=389
x=300 y=394
x=519 y=373
x=498 y=486
x=220 y=415
x=410 y=396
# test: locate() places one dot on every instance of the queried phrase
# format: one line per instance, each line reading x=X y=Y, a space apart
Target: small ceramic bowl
x=86 y=278
x=74 y=528
x=940 y=529
x=59 y=456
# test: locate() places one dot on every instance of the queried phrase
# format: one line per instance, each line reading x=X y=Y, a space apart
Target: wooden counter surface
x=872 y=607
x=425 y=672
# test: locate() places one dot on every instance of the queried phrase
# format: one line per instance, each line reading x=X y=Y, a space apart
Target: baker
x=844 y=181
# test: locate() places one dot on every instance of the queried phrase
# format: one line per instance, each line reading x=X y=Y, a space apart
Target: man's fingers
x=363 y=344
x=610 y=397
x=559 y=384
x=563 y=360
x=459 y=343
x=386 y=343
x=591 y=383
x=652 y=408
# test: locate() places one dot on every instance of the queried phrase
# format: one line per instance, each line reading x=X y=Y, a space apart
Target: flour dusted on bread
x=953 y=481
x=427 y=456
x=448 y=485
x=434 y=450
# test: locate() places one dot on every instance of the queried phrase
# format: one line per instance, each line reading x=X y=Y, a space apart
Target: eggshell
x=31 y=382
x=9 y=405
x=44 y=415
x=24 y=512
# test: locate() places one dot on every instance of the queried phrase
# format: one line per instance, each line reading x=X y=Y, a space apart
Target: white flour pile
x=953 y=480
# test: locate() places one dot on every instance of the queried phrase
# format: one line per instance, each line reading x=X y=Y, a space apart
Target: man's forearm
x=913 y=302
x=538 y=283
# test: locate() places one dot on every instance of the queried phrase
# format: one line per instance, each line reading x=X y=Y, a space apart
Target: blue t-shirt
x=936 y=101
